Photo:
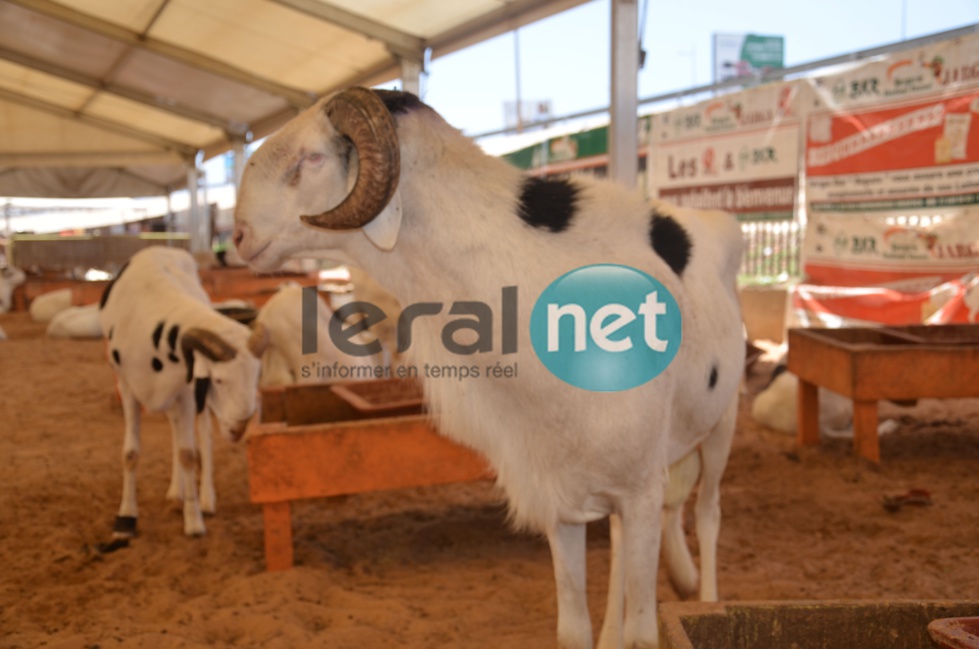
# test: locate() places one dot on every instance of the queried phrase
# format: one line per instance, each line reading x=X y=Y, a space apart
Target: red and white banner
x=953 y=302
x=892 y=189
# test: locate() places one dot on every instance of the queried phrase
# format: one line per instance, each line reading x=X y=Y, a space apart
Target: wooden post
x=278 y=535
x=808 y=414
x=865 y=440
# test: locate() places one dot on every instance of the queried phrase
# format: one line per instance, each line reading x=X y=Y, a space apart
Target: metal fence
x=56 y=254
x=771 y=251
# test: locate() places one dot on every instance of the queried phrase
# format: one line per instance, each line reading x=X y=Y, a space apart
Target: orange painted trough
x=312 y=443
x=869 y=364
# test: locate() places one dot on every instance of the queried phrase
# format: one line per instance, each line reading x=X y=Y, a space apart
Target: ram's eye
x=314 y=157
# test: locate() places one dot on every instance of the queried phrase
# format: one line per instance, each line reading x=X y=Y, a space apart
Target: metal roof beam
x=85 y=159
x=510 y=16
x=398 y=43
x=139 y=96
x=297 y=98
x=184 y=150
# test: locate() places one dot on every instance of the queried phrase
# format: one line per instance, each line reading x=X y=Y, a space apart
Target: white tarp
x=165 y=79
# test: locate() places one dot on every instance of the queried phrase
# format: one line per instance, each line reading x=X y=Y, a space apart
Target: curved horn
x=360 y=115
x=258 y=341
x=208 y=343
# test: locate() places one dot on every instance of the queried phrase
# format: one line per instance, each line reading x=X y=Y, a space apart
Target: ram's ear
x=383 y=230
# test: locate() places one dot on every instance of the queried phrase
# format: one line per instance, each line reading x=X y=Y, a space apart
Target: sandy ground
x=433 y=567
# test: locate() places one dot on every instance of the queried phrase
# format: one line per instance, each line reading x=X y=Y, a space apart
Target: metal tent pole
x=623 y=146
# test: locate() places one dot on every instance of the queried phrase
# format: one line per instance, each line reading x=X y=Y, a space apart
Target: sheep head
x=224 y=379
x=332 y=169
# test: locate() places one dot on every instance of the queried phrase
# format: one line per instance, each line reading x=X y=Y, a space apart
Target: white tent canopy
x=118 y=97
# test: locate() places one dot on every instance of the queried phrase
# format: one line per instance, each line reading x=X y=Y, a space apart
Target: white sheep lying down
x=379 y=179
x=47 y=305
x=777 y=407
x=76 y=322
x=173 y=353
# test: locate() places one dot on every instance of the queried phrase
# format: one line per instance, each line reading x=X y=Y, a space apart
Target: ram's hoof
x=124 y=527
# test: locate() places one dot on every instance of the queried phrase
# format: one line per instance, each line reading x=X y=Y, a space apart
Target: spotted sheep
x=172 y=352
x=379 y=179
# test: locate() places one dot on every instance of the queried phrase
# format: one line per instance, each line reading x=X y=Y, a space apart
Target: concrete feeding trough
x=828 y=624
x=955 y=632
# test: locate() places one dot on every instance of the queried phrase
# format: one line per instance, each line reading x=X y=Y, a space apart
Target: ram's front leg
x=684 y=475
x=715 y=451
x=205 y=442
x=611 y=634
x=181 y=416
x=125 y=524
x=176 y=489
x=567 y=543
x=640 y=548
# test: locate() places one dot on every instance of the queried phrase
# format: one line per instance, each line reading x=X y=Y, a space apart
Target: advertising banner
x=738 y=152
x=892 y=187
x=746 y=55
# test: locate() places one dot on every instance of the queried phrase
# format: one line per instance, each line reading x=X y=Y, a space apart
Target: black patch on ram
x=712 y=381
x=172 y=341
x=398 y=101
x=108 y=287
x=112 y=330
x=157 y=334
x=157 y=365
x=116 y=357
x=548 y=203
x=670 y=241
x=201 y=386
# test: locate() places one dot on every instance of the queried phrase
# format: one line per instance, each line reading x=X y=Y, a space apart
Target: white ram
x=284 y=361
x=381 y=180
x=173 y=353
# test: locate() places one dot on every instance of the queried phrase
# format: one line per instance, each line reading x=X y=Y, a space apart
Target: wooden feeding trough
x=319 y=440
x=219 y=283
x=808 y=625
x=869 y=364
x=245 y=284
